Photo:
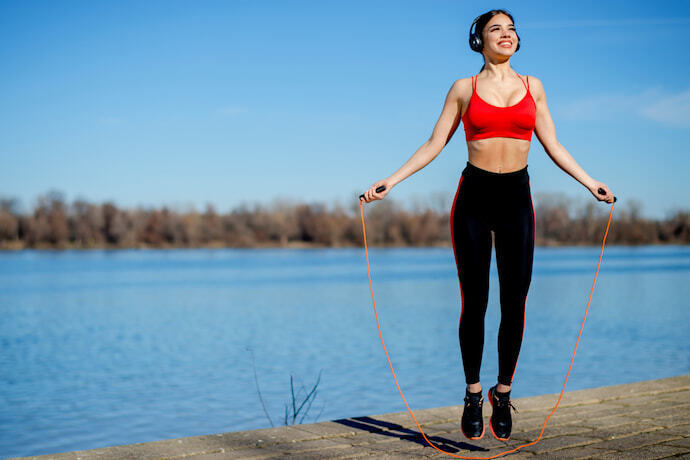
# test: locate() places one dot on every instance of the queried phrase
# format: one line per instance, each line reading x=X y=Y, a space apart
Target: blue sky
x=185 y=103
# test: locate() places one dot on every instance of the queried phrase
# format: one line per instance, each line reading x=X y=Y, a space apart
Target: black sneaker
x=472 y=421
x=501 y=422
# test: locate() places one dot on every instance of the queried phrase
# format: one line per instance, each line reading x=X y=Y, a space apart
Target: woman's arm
x=443 y=131
x=546 y=133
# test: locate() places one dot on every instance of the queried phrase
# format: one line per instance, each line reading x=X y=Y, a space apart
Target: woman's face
x=499 y=36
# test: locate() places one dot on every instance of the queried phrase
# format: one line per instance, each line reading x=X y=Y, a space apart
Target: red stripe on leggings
x=452 y=240
x=524 y=311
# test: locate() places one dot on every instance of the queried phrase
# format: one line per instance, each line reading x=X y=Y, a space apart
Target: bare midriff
x=498 y=154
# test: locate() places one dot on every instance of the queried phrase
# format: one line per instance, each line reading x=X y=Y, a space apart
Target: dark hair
x=476 y=39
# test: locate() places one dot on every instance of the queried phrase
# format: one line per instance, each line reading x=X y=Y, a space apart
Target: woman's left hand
x=608 y=197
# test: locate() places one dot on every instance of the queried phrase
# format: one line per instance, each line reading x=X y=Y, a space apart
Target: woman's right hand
x=371 y=195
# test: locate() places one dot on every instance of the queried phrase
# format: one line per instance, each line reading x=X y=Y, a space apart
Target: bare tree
x=283 y=222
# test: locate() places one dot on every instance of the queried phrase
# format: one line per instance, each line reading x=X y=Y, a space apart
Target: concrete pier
x=642 y=420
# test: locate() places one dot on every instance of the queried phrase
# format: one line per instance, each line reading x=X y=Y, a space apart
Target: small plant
x=294 y=407
x=293 y=411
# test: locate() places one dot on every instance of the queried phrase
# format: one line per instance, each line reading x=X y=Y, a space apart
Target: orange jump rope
x=366 y=252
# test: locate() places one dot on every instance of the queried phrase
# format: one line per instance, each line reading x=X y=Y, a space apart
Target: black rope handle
x=380 y=189
x=601 y=192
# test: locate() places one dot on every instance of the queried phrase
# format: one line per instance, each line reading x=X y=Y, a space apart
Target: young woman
x=499 y=110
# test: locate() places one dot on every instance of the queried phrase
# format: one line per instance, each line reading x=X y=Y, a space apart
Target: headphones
x=476 y=42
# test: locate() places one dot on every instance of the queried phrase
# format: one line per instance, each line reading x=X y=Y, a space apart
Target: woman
x=499 y=110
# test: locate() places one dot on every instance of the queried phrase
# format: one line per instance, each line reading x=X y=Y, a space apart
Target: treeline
x=53 y=223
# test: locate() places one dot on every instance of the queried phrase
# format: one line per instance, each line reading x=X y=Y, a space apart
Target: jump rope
x=380 y=189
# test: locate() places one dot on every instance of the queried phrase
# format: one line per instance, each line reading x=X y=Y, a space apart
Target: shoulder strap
x=523 y=82
x=474 y=83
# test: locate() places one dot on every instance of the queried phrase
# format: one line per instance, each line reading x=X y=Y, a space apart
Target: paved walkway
x=642 y=420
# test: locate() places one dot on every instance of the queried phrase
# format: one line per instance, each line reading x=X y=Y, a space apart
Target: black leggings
x=502 y=203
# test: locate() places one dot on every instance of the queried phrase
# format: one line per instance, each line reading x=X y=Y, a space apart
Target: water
x=104 y=347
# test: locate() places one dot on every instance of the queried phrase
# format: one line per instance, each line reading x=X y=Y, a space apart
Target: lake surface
x=103 y=347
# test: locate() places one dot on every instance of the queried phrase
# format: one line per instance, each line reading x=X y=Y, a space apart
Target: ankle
x=474 y=388
x=500 y=388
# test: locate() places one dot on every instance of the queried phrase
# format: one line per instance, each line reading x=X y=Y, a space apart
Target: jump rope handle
x=601 y=192
x=379 y=189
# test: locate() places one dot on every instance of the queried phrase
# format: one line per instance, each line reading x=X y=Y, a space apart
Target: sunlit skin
x=499 y=85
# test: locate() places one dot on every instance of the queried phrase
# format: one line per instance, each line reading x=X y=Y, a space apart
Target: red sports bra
x=483 y=120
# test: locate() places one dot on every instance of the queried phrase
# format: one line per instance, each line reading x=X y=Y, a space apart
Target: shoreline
x=301 y=245
x=642 y=420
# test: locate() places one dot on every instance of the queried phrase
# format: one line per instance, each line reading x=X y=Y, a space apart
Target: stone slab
x=644 y=453
x=649 y=419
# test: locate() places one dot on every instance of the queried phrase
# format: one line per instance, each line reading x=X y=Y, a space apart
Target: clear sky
x=185 y=103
